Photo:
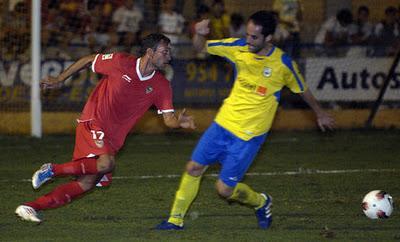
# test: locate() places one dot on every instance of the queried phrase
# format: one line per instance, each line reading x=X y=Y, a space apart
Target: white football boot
x=27 y=213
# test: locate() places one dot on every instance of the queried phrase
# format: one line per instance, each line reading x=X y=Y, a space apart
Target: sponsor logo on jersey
x=127 y=78
x=149 y=89
x=247 y=85
x=261 y=90
x=267 y=72
x=107 y=57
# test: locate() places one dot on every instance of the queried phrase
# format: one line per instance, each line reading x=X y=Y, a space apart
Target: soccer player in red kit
x=128 y=88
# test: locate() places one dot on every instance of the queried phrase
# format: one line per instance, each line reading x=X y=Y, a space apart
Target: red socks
x=85 y=166
x=59 y=196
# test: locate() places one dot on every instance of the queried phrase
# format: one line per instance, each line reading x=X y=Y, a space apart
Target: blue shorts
x=234 y=154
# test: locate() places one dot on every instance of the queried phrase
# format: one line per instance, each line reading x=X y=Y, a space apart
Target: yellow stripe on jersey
x=250 y=108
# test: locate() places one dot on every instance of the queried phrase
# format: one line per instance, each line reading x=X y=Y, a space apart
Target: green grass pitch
x=308 y=205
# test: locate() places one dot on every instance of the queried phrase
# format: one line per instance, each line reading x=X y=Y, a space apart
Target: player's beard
x=255 y=49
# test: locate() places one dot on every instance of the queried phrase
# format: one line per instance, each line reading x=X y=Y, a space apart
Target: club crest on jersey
x=149 y=89
x=107 y=57
x=267 y=71
x=99 y=143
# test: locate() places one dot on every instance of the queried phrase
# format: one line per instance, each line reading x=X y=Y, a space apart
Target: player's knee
x=223 y=190
x=194 y=168
x=87 y=182
x=105 y=164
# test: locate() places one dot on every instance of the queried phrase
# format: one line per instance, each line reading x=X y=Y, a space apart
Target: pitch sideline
x=300 y=171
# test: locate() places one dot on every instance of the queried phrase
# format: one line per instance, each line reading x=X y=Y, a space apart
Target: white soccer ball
x=377 y=204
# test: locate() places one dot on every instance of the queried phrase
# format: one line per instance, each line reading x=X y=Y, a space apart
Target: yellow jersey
x=250 y=108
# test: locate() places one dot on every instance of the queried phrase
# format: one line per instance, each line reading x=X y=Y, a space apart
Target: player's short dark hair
x=344 y=16
x=202 y=9
x=152 y=41
x=237 y=19
x=363 y=8
x=215 y=2
x=390 y=10
x=266 y=20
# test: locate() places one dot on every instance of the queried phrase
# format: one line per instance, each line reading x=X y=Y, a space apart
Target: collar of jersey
x=271 y=51
x=140 y=74
x=261 y=57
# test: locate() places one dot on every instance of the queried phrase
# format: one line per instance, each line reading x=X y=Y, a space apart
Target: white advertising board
x=351 y=79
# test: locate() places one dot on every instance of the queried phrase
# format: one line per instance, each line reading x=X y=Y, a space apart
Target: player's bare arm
x=324 y=119
x=55 y=82
x=202 y=30
x=182 y=121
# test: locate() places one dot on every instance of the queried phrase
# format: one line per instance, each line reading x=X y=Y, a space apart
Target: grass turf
x=308 y=206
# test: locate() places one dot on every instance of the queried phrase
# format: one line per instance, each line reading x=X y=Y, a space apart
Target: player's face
x=162 y=55
x=254 y=38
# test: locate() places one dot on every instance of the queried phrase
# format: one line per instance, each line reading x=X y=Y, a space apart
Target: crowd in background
x=71 y=27
x=344 y=29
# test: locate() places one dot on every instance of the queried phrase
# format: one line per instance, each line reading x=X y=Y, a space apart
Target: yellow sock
x=245 y=195
x=185 y=195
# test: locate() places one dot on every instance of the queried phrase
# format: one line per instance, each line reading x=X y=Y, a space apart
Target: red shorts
x=90 y=141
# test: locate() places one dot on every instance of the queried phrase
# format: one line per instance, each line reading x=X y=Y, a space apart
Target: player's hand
x=50 y=83
x=325 y=121
x=186 y=121
x=202 y=28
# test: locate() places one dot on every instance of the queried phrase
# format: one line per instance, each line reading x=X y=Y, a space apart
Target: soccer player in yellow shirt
x=244 y=119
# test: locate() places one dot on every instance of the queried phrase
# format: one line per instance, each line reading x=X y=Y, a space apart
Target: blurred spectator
x=99 y=27
x=237 y=29
x=334 y=33
x=16 y=32
x=70 y=5
x=75 y=24
x=128 y=20
x=202 y=12
x=398 y=14
x=361 y=29
x=290 y=17
x=3 y=16
x=50 y=51
x=281 y=35
x=170 y=22
x=56 y=23
x=387 y=34
x=220 y=21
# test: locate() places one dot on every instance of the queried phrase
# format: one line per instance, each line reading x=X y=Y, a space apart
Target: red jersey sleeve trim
x=94 y=62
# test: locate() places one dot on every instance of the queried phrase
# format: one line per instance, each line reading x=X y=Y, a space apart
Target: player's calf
x=223 y=190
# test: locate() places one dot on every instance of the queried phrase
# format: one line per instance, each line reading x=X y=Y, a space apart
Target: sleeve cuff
x=94 y=62
x=165 y=111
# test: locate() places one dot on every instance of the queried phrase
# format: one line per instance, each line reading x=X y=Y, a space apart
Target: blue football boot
x=263 y=214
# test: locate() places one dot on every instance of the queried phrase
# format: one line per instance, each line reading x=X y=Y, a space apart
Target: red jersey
x=123 y=95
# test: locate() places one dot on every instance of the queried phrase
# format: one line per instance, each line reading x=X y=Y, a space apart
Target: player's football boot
x=165 y=225
x=44 y=174
x=263 y=214
x=105 y=181
x=27 y=213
